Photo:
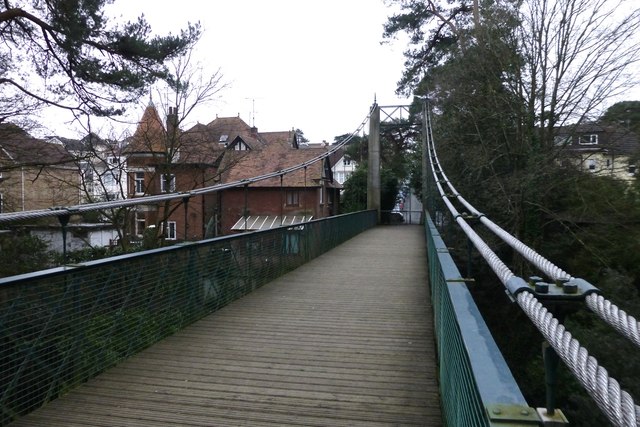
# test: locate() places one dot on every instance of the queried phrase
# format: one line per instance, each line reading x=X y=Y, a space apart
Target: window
x=293 y=198
x=632 y=169
x=139 y=183
x=86 y=172
x=224 y=138
x=591 y=165
x=347 y=161
x=167 y=183
x=140 y=224
x=588 y=139
x=1 y=203
x=609 y=163
x=108 y=179
x=112 y=161
x=240 y=146
x=561 y=140
x=170 y=230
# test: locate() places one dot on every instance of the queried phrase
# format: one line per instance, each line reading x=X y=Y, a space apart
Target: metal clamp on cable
x=562 y=290
x=515 y=285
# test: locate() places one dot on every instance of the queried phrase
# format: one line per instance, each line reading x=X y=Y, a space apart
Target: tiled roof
x=285 y=138
x=149 y=136
x=198 y=145
x=273 y=158
x=17 y=147
x=610 y=138
x=227 y=129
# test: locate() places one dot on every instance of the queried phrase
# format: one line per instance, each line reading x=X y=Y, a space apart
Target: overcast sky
x=315 y=66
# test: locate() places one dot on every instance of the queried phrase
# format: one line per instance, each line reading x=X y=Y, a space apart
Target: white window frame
x=171 y=179
x=588 y=139
x=140 y=220
x=170 y=230
x=138 y=183
x=592 y=165
x=240 y=146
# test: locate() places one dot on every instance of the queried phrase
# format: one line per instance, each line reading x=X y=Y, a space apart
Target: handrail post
x=64 y=221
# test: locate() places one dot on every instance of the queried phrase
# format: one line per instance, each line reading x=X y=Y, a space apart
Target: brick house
x=298 y=197
x=34 y=174
x=602 y=149
x=162 y=158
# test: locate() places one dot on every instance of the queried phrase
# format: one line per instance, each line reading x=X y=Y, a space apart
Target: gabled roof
x=611 y=137
x=273 y=158
x=18 y=148
x=198 y=146
x=289 y=138
x=227 y=129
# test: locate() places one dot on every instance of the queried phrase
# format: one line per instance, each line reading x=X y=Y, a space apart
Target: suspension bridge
x=337 y=321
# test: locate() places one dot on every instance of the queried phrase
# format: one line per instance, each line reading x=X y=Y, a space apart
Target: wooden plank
x=344 y=340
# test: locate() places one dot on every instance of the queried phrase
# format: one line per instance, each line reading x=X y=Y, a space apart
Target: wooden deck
x=344 y=340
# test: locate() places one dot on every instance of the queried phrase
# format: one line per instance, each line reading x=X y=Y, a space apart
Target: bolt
x=561 y=281
x=570 y=288
x=542 y=288
x=534 y=279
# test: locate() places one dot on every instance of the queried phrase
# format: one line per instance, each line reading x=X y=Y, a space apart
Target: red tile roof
x=273 y=158
x=150 y=135
x=17 y=147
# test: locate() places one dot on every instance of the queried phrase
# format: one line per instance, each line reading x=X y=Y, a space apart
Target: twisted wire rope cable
x=616 y=404
x=610 y=313
x=622 y=322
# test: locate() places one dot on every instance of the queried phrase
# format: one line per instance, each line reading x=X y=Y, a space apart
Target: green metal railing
x=61 y=327
x=476 y=385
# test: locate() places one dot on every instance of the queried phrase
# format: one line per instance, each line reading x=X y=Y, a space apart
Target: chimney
x=172 y=121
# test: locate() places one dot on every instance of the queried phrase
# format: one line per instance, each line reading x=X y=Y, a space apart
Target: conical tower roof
x=150 y=133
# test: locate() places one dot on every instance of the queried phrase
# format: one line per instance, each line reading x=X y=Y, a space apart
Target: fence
x=60 y=327
x=476 y=385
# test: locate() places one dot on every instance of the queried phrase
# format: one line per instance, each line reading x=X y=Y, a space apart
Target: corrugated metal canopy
x=266 y=222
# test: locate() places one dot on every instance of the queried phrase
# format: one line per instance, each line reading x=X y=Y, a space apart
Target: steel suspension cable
x=610 y=313
x=615 y=403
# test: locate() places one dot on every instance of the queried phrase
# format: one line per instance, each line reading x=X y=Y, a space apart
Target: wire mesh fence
x=61 y=327
x=476 y=385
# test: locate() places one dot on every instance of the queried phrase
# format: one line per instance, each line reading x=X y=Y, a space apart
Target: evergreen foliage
x=68 y=53
x=496 y=97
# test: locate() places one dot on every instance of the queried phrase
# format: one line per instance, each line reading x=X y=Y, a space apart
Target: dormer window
x=588 y=139
x=240 y=146
x=561 y=140
x=223 y=139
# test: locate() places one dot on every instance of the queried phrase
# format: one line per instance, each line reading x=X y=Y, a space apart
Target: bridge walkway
x=346 y=339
